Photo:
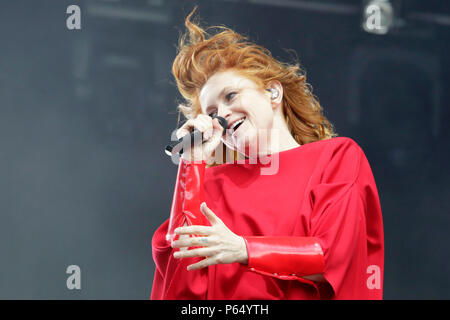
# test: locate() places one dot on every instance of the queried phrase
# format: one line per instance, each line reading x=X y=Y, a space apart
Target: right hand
x=212 y=133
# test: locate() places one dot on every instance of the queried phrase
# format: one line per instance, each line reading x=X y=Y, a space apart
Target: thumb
x=217 y=133
x=218 y=129
x=209 y=214
x=215 y=139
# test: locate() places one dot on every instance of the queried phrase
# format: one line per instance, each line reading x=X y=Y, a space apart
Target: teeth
x=236 y=123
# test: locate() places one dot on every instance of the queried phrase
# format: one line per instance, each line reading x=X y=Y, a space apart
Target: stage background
x=85 y=115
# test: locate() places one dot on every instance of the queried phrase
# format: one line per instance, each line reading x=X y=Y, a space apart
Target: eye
x=230 y=96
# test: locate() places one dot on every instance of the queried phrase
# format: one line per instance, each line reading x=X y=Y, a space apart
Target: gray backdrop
x=85 y=115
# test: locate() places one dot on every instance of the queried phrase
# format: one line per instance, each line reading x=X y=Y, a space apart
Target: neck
x=280 y=138
x=285 y=140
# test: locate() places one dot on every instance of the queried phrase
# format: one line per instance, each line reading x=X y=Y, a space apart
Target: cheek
x=259 y=112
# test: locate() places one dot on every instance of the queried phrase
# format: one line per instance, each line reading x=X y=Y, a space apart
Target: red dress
x=323 y=189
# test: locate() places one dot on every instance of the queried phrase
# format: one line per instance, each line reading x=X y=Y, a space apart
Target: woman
x=309 y=227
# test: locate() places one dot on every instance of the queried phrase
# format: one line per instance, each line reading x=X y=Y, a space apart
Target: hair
x=201 y=54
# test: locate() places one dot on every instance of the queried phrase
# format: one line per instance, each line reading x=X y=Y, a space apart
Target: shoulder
x=338 y=143
x=343 y=146
x=333 y=143
x=335 y=147
x=340 y=159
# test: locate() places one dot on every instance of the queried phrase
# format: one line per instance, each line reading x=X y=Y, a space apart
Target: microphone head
x=223 y=122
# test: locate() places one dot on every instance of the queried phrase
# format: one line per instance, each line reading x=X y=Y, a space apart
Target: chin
x=245 y=143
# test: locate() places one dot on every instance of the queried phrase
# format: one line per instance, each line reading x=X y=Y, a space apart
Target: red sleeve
x=171 y=277
x=346 y=218
x=161 y=251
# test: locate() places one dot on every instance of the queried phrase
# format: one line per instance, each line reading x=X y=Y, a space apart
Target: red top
x=323 y=189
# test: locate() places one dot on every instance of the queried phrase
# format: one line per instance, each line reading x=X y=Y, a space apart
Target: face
x=246 y=107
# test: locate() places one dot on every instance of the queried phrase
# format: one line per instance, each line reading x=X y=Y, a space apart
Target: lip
x=236 y=120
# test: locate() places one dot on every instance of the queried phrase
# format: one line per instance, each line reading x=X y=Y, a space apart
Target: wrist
x=185 y=159
x=243 y=259
x=195 y=154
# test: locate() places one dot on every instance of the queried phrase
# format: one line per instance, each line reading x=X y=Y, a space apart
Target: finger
x=208 y=134
x=190 y=124
x=202 y=264
x=218 y=130
x=206 y=122
x=181 y=133
x=216 y=125
x=206 y=118
x=185 y=129
x=191 y=242
x=200 y=252
x=200 y=230
x=210 y=214
x=211 y=144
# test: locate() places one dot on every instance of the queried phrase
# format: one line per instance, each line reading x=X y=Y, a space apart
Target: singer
x=311 y=228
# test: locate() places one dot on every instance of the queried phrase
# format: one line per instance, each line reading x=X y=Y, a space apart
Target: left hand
x=218 y=243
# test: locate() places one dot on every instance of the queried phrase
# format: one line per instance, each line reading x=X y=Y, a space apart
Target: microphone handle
x=178 y=146
x=175 y=147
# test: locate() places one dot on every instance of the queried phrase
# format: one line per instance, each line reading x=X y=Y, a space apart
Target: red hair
x=201 y=54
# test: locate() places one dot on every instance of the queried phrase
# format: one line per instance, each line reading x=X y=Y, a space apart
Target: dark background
x=85 y=115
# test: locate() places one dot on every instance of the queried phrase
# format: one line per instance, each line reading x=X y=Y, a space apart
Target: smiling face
x=247 y=108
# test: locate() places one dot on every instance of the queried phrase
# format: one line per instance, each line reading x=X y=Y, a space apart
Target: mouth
x=236 y=124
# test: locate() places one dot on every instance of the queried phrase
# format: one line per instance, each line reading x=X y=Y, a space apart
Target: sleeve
x=345 y=206
x=336 y=223
x=286 y=258
x=187 y=197
x=161 y=251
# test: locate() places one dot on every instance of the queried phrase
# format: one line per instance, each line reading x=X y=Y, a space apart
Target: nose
x=224 y=112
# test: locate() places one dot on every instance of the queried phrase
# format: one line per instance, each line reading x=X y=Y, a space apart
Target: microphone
x=177 y=147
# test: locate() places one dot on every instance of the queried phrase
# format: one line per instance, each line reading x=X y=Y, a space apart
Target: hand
x=212 y=133
x=218 y=243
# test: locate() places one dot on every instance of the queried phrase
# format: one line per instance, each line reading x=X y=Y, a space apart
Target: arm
x=188 y=196
x=287 y=258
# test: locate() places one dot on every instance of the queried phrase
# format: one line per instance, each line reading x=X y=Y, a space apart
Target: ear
x=275 y=84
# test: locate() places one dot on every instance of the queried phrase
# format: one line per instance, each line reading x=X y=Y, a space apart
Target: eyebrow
x=220 y=94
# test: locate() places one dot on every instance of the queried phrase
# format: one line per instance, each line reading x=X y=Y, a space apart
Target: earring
x=274 y=92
